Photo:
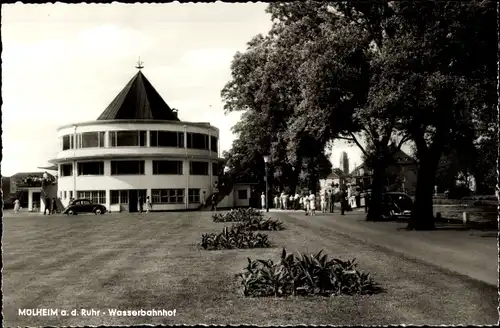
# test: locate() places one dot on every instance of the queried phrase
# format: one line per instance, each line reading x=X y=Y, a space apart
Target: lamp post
x=266 y=163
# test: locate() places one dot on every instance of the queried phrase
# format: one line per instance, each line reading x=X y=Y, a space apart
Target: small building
x=31 y=189
x=138 y=148
x=337 y=176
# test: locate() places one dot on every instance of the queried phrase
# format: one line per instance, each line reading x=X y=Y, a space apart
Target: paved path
x=464 y=252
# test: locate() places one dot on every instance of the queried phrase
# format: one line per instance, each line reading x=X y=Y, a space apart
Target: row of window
x=158 y=196
x=138 y=139
x=136 y=167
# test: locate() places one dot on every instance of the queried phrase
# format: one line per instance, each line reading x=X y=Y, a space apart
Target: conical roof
x=138 y=101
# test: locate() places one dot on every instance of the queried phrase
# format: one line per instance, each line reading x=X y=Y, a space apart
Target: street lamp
x=266 y=163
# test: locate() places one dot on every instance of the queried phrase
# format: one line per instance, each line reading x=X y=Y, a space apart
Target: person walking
x=47 y=206
x=263 y=201
x=141 y=204
x=149 y=207
x=203 y=199
x=323 y=202
x=276 y=202
x=214 y=202
x=284 y=200
x=17 y=206
x=54 y=206
x=332 y=200
x=343 y=201
x=357 y=196
x=312 y=203
x=367 y=201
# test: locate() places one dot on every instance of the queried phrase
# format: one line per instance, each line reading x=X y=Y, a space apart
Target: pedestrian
x=332 y=200
x=357 y=196
x=276 y=202
x=343 y=201
x=47 y=206
x=367 y=201
x=54 y=206
x=17 y=206
x=291 y=202
x=323 y=202
x=141 y=204
x=203 y=199
x=263 y=200
x=296 y=201
x=284 y=200
x=312 y=203
x=214 y=202
x=149 y=206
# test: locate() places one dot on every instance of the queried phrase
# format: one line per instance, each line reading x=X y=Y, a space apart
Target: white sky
x=65 y=63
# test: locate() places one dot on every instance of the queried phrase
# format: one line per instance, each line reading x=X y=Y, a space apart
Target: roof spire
x=139 y=64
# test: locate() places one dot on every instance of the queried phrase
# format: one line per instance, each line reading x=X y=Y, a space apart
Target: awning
x=50 y=167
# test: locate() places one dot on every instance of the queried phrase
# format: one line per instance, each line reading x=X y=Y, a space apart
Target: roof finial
x=139 y=64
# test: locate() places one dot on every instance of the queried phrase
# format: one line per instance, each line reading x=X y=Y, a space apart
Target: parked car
x=84 y=206
x=396 y=204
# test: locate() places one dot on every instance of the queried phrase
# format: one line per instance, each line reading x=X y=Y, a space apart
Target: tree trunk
x=375 y=205
x=422 y=216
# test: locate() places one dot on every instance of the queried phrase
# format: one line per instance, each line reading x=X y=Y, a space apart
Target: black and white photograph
x=252 y=163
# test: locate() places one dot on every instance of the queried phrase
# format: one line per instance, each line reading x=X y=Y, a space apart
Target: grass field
x=134 y=261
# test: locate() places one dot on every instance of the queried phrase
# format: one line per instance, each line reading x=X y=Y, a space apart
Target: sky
x=64 y=63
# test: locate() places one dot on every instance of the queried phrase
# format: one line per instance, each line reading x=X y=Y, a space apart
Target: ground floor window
x=167 y=196
x=119 y=197
x=243 y=194
x=95 y=196
x=194 y=196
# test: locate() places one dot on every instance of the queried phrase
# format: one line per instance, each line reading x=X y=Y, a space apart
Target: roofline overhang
x=132 y=156
x=132 y=121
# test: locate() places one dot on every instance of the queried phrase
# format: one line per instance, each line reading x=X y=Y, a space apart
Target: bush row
x=305 y=275
x=234 y=237
x=237 y=215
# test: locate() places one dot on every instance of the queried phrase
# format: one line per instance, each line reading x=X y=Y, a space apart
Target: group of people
x=348 y=196
x=50 y=206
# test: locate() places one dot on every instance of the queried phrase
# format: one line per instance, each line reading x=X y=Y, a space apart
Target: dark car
x=84 y=206
x=396 y=204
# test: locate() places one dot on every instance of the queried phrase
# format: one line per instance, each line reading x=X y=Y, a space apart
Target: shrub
x=234 y=237
x=305 y=275
x=237 y=215
x=255 y=224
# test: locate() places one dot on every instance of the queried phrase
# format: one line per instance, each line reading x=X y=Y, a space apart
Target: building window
x=166 y=139
x=167 y=167
x=95 y=196
x=213 y=143
x=119 y=197
x=90 y=140
x=243 y=194
x=127 y=138
x=127 y=167
x=198 y=168
x=70 y=194
x=91 y=168
x=67 y=142
x=66 y=170
x=215 y=169
x=65 y=195
x=167 y=196
x=194 y=196
x=197 y=141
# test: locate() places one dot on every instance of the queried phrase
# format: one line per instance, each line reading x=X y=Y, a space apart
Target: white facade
x=105 y=185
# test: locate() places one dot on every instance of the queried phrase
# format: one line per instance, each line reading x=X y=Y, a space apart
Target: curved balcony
x=131 y=152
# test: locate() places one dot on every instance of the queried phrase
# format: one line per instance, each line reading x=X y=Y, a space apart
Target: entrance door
x=132 y=200
x=36 y=200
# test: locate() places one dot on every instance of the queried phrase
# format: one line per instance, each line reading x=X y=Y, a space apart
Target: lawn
x=139 y=261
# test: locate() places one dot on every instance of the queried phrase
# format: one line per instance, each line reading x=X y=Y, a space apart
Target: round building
x=138 y=147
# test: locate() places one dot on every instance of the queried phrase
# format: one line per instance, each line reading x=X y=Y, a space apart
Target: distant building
x=344 y=162
x=401 y=176
x=136 y=148
x=337 y=176
x=27 y=187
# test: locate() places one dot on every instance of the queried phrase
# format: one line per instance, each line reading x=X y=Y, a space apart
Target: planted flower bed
x=237 y=215
x=305 y=275
x=256 y=224
x=234 y=237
